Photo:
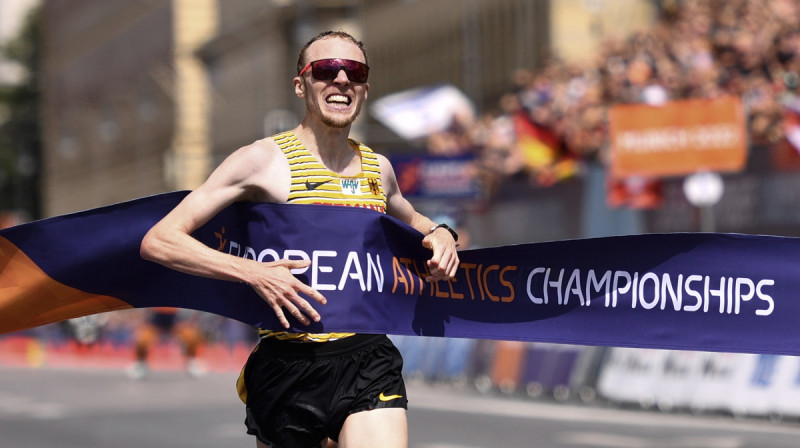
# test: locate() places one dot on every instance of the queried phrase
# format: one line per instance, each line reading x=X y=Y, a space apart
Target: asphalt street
x=86 y=408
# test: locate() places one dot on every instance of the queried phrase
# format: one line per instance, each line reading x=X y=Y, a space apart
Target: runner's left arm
x=443 y=264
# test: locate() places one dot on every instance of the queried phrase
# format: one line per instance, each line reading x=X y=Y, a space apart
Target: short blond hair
x=329 y=35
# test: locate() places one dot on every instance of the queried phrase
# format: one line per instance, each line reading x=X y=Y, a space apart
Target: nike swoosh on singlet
x=383 y=397
x=313 y=185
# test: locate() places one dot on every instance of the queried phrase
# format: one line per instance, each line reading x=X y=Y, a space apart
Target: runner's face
x=337 y=102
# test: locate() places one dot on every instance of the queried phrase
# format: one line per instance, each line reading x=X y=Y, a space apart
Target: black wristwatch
x=446 y=227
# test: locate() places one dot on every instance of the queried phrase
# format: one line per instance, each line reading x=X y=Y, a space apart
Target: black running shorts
x=298 y=393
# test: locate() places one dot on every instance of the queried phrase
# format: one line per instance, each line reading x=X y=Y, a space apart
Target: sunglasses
x=328 y=69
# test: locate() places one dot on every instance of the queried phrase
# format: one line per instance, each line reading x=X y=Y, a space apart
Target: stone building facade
x=146 y=96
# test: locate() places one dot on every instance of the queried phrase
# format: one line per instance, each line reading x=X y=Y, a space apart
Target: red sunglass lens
x=328 y=69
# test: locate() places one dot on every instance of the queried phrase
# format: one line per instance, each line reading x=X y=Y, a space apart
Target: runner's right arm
x=240 y=177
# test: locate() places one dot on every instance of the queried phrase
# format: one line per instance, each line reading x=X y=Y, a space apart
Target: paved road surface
x=82 y=408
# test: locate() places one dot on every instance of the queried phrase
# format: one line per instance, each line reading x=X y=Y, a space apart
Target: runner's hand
x=281 y=290
x=443 y=265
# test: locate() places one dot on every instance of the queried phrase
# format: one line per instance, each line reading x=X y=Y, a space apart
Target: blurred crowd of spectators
x=555 y=117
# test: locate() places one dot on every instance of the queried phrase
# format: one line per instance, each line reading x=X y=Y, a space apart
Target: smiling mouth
x=338 y=100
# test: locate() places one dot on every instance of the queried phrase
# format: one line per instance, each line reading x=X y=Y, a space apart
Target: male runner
x=301 y=389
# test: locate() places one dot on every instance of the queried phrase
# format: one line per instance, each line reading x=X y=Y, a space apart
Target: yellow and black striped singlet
x=313 y=183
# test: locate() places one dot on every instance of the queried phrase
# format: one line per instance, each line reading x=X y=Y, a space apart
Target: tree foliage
x=20 y=124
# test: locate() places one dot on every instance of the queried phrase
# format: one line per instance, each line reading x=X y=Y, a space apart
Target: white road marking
x=444 y=445
x=13 y=405
x=606 y=440
x=423 y=397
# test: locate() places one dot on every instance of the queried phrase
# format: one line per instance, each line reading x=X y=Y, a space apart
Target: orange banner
x=680 y=137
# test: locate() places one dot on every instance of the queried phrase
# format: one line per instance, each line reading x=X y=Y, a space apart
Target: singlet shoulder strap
x=370 y=165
